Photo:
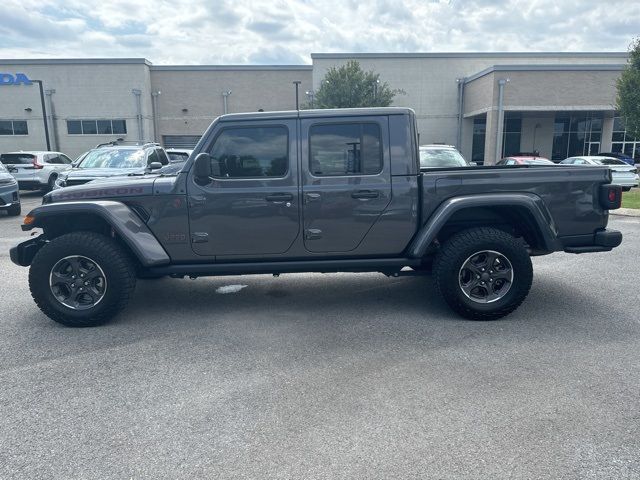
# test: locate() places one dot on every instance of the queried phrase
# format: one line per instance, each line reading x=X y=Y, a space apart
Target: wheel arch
x=522 y=214
x=110 y=218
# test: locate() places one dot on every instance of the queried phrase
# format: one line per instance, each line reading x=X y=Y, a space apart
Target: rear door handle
x=279 y=197
x=365 y=194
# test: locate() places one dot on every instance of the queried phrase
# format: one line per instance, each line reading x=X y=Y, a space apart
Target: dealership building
x=488 y=104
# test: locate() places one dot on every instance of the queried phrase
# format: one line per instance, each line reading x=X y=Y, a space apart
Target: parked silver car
x=622 y=173
x=9 y=192
x=36 y=169
x=441 y=156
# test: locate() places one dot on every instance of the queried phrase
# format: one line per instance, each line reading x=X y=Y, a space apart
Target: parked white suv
x=36 y=170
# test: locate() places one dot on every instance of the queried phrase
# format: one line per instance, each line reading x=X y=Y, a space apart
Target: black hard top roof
x=327 y=112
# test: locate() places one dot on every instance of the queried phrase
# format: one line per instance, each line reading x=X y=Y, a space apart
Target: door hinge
x=312 y=233
x=199 y=237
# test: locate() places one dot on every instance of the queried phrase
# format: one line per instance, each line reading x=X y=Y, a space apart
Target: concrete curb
x=626 y=212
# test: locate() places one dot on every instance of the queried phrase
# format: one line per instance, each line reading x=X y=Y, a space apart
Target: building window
x=345 y=149
x=13 y=127
x=623 y=142
x=479 y=135
x=511 y=136
x=251 y=152
x=575 y=135
x=96 y=127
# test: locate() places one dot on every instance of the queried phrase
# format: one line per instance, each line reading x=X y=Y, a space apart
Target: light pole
x=297 y=84
x=154 y=97
x=225 y=96
x=375 y=89
x=138 y=93
x=44 y=113
x=311 y=96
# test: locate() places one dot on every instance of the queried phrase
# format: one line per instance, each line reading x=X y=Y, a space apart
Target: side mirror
x=202 y=168
x=155 y=166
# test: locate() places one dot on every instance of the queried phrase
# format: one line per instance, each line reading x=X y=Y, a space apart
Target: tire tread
x=119 y=261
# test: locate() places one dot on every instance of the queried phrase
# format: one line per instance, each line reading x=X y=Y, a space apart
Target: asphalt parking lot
x=328 y=376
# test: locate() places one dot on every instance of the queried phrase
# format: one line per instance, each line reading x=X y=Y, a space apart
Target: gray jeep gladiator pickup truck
x=313 y=191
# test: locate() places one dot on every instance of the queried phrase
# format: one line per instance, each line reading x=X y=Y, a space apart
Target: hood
x=6 y=178
x=115 y=188
x=82 y=173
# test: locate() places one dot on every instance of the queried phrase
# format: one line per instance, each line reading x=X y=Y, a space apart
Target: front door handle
x=365 y=194
x=279 y=197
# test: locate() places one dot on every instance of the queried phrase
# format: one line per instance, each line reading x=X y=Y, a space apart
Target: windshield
x=539 y=161
x=114 y=158
x=441 y=157
x=16 y=158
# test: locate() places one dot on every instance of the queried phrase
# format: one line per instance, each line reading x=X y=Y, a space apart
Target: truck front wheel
x=483 y=273
x=81 y=279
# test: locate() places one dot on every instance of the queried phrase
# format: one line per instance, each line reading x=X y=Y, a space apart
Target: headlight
x=60 y=182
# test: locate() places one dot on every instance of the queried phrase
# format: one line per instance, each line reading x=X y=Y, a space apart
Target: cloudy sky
x=287 y=31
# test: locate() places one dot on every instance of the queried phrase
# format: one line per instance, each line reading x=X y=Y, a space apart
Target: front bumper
x=601 y=241
x=23 y=253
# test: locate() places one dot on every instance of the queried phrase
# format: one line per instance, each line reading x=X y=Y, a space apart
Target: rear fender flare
x=532 y=203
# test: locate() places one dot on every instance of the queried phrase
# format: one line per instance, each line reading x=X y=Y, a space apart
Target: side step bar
x=384 y=265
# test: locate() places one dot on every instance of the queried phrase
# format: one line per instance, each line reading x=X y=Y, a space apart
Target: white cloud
x=287 y=31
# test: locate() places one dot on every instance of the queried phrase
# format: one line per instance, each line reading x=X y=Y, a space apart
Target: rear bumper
x=9 y=195
x=601 y=241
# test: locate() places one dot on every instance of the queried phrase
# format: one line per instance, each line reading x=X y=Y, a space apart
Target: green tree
x=349 y=86
x=629 y=91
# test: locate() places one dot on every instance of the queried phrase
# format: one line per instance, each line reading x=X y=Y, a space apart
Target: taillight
x=610 y=196
x=36 y=165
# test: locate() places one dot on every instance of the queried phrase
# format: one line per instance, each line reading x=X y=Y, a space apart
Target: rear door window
x=345 y=149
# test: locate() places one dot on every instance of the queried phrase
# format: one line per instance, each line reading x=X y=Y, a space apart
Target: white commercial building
x=489 y=104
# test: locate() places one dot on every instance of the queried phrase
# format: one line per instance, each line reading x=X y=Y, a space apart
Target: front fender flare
x=124 y=221
x=532 y=203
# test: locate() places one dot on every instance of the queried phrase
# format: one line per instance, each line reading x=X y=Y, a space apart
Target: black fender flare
x=124 y=221
x=532 y=203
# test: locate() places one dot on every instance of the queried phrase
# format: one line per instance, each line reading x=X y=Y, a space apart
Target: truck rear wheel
x=81 y=279
x=483 y=273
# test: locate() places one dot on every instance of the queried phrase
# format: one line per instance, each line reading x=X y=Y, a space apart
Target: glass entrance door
x=593 y=148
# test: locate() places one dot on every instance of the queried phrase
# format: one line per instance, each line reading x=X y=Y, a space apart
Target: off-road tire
x=107 y=254
x=14 y=210
x=460 y=247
